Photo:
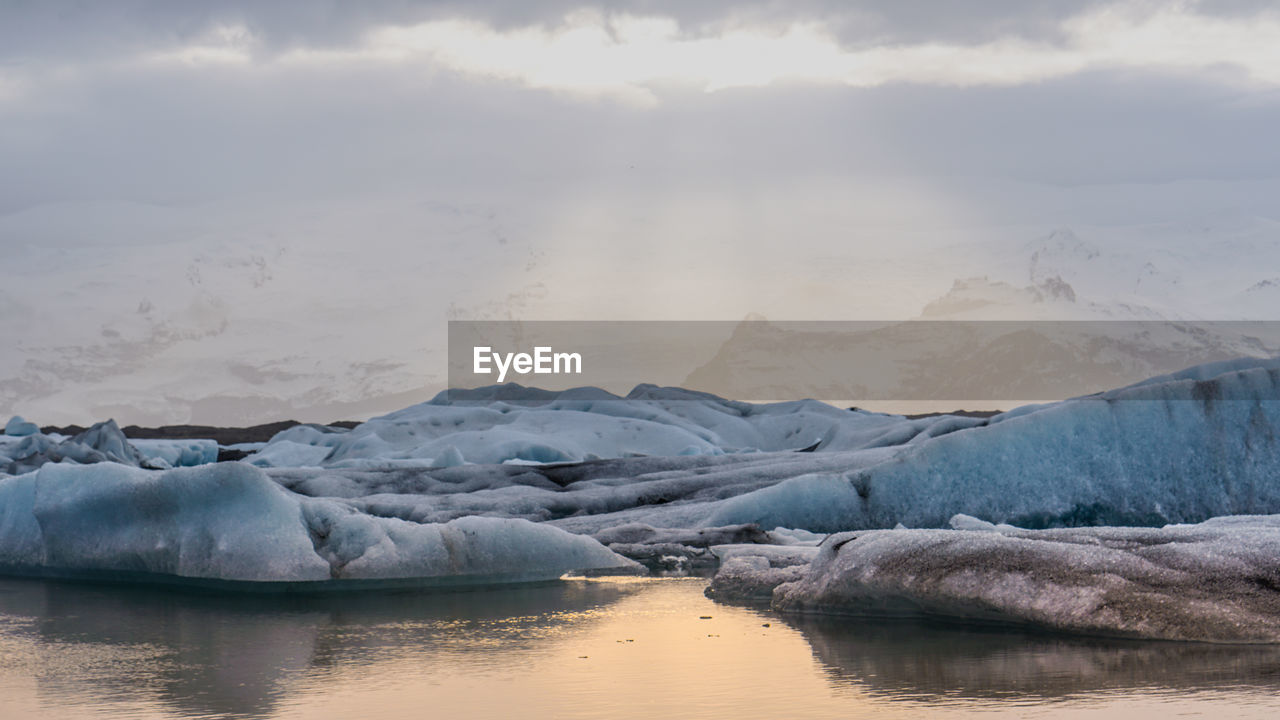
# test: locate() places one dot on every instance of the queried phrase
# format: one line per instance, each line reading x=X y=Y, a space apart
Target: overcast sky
x=175 y=103
x=662 y=157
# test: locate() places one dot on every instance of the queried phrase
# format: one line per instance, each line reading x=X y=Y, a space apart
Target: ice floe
x=228 y=522
x=1216 y=581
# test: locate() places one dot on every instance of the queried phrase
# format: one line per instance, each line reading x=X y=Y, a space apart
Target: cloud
x=639 y=59
x=751 y=178
x=220 y=45
x=635 y=58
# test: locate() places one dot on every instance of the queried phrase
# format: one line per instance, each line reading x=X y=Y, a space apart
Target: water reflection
x=236 y=656
x=918 y=660
x=634 y=648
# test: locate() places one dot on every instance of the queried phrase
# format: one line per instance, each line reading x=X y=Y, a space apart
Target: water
x=635 y=648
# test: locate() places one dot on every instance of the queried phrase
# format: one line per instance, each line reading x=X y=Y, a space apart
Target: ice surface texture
x=585 y=424
x=1217 y=581
x=673 y=473
x=18 y=427
x=178 y=452
x=103 y=442
x=1179 y=448
x=229 y=522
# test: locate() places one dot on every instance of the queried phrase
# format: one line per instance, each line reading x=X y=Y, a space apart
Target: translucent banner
x=979 y=363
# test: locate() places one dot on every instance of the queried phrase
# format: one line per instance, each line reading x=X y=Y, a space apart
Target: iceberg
x=103 y=442
x=1178 y=448
x=1181 y=448
x=228 y=524
x=665 y=475
x=177 y=452
x=289 y=453
x=748 y=573
x=503 y=424
x=19 y=427
x=1216 y=581
x=751 y=579
x=677 y=549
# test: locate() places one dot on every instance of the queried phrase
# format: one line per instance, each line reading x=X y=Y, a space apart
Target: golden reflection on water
x=617 y=648
x=650 y=654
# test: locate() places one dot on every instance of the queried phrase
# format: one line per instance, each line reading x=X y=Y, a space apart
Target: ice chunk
x=1216 y=581
x=820 y=501
x=513 y=424
x=679 y=549
x=667 y=558
x=229 y=522
x=288 y=453
x=1192 y=446
x=178 y=452
x=696 y=537
x=452 y=458
x=751 y=579
x=19 y=427
x=749 y=573
x=107 y=439
x=960 y=521
x=795 y=536
x=223 y=522
x=777 y=555
x=103 y=442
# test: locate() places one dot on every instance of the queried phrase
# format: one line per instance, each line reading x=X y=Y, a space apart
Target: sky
x=384 y=166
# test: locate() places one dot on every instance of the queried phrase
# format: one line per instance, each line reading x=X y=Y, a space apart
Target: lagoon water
x=616 y=648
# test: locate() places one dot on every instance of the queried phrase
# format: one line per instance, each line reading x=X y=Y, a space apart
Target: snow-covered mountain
x=1060 y=314
x=939 y=365
x=152 y=321
x=172 y=326
x=1223 y=268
